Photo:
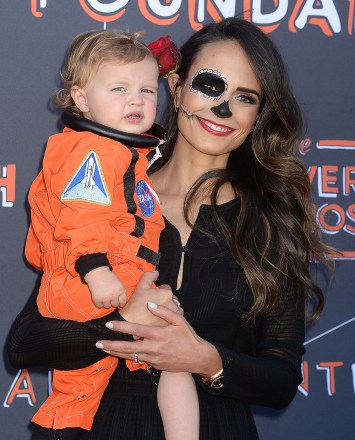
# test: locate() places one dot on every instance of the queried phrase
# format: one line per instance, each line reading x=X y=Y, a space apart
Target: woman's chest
x=204 y=275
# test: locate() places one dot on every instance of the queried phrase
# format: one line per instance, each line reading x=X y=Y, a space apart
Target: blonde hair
x=87 y=52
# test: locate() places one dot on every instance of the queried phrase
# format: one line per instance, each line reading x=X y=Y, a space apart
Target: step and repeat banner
x=317 y=40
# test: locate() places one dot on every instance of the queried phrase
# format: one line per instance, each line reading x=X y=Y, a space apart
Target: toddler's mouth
x=134 y=116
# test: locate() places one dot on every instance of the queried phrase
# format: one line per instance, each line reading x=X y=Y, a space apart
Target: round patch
x=145 y=199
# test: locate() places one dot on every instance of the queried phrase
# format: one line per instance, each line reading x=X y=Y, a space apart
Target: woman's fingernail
x=152 y=305
x=109 y=325
x=99 y=345
x=107 y=351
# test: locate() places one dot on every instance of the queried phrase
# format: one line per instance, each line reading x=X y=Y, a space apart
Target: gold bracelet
x=215 y=381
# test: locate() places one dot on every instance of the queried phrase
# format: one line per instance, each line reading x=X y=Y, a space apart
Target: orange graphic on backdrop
x=323 y=13
x=21 y=387
x=351 y=16
x=247 y=15
x=8 y=184
x=322 y=22
x=334 y=181
x=329 y=367
x=101 y=17
x=336 y=144
x=154 y=19
x=34 y=9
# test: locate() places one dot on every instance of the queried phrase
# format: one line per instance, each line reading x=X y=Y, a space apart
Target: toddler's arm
x=106 y=288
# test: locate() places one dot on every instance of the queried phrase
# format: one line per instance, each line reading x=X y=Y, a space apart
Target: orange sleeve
x=85 y=195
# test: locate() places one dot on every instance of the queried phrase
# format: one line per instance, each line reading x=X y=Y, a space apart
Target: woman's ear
x=175 y=88
x=79 y=97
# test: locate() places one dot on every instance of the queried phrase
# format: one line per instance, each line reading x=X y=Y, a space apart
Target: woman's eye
x=210 y=87
x=247 y=99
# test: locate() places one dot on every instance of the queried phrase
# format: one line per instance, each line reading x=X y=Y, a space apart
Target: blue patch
x=88 y=183
x=145 y=199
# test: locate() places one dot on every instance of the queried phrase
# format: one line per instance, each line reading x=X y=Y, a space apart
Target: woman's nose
x=222 y=110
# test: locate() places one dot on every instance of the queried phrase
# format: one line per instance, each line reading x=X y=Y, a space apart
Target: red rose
x=167 y=55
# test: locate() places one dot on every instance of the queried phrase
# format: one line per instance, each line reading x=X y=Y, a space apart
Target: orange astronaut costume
x=92 y=197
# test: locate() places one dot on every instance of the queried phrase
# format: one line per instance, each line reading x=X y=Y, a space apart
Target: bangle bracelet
x=215 y=381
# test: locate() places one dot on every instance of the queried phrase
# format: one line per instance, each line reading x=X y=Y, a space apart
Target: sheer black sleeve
x=35 y=341
x=271 y=376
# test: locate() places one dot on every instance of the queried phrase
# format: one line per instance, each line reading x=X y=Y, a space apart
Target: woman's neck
x=174 y=180
x=183 y=169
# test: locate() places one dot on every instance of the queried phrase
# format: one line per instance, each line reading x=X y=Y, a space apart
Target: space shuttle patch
x=88 y=183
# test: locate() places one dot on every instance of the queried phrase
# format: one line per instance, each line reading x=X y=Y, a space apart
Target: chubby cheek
x=152 y=103
x=151 y=110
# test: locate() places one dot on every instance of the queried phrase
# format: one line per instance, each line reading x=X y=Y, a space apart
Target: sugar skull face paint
x=208 y=124
x=209 y=83
x=186 y=112
x=222 y=110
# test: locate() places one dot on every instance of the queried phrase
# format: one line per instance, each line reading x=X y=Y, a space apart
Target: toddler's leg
x=179 y=407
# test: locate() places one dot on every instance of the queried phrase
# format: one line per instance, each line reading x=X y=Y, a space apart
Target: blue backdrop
x=317 y=41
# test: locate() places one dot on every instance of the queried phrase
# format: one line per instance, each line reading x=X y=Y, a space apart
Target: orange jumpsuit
x=92 y=196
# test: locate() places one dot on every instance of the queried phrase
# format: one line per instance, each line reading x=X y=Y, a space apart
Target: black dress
x=261 y=360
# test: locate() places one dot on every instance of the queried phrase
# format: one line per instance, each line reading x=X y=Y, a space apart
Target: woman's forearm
x=66 y=345
x=37 y=341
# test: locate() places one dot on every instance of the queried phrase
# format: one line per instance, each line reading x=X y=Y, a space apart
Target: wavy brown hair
x=275 y=234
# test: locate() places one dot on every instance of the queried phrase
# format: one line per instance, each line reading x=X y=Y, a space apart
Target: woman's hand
x=175 y=347
x=136 y=309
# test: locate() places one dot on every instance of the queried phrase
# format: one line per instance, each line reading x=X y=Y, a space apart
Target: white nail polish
x=109 y=325
x=152 y=305
x=99 y=345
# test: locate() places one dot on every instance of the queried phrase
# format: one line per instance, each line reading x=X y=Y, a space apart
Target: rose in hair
x=167 y=55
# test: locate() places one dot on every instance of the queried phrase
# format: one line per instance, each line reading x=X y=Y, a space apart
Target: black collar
x=132 y=140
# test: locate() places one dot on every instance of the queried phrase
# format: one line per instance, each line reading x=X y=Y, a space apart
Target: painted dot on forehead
x=209 y=83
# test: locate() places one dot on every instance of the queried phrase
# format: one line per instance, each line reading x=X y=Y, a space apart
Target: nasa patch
x=88 y=183
x=145 y=199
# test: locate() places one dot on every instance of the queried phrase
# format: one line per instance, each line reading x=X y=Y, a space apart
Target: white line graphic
x=330 y=330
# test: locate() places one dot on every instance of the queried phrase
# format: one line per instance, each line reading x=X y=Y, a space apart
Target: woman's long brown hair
x=275 y=235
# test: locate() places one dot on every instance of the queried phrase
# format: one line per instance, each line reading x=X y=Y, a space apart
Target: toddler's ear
x=79 y=97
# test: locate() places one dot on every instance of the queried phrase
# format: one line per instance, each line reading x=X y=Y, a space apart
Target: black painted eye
x=210 y=87
x=209 y=84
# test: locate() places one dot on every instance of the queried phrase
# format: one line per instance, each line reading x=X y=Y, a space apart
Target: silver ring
x=177 y=302
x=136 y=360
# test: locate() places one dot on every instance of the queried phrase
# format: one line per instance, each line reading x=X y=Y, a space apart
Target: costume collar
x=77 y=123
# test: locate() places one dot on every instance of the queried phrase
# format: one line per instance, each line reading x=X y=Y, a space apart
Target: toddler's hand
x=106 y=288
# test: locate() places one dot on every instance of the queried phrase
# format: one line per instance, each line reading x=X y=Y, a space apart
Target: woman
x=238 y=238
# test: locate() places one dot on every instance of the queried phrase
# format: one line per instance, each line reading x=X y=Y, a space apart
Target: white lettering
x=328 y=11
x=165 y=10
x=226 y=7
x=107 y=8
x=273 y=17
